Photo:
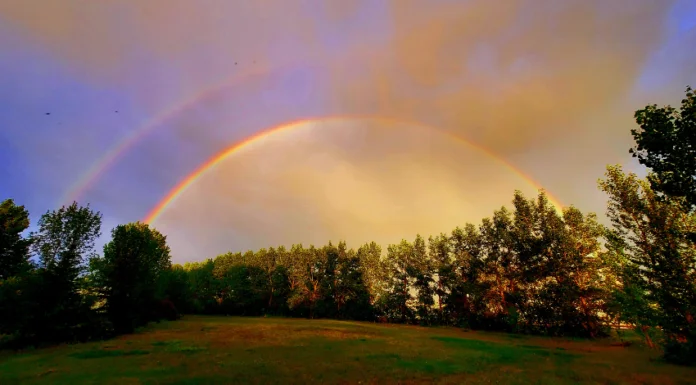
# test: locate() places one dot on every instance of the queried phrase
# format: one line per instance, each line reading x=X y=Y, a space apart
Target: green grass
x=224 y=350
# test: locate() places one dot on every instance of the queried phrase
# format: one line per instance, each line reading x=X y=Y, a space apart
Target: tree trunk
x=644 y=329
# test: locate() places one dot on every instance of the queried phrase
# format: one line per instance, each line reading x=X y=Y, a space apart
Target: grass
x=225 y=350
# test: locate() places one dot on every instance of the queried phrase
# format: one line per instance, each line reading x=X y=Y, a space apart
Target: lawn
x=233 y=350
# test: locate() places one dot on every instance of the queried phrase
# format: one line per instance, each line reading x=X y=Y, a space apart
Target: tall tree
x=661 y=273
x=467 y=300
x=133 y=262
x=439 y=252
x=204 y=287
x=65 y=239
x=64 y=242
x=421 y=271
x=370 y=255
x=352 y=294
x=666 y=143
x=14 y=249
x=398 y=301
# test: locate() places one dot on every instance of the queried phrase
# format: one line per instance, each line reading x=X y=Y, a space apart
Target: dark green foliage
x=22 y=308
x=63 y=243
x=173 y=284
x=127 y=276
x=651 y=249
x=66 y=238
x=14 y=249
x=666 y=143
x=243 y=290
x=18 y=281
x=655 y=261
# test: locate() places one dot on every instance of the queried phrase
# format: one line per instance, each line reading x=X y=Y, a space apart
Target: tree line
x=525 y=269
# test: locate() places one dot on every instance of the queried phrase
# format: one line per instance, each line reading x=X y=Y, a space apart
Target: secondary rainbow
x=87 y=180
x=212 y=162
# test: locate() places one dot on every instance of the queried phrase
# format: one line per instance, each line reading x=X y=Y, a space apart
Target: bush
x=680 y=351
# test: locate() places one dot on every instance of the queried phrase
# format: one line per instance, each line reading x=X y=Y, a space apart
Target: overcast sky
x=548 y=86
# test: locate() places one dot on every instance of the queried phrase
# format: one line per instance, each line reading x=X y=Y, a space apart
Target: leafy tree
x=14 y=249
x=421 y=271
x=246 y=290
x=582 y=269
x=297 y=263
x=22 y=309
x=496 y=243
x=316 y=269
x=398 y=301
x=352 y=293
x=205 y=288
x=134 y=261
x=467 y=300
x=174 y=285
x=307 y=270
x=666 y=143
x=439 y=252
x=660 y=271
x=64 y=242
x=266 y=261
x=372 y=270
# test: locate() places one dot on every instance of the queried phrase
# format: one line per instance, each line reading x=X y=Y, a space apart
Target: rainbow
x=216 y=159
x=84 y=183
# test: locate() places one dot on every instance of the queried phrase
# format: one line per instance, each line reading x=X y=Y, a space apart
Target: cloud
x=550 y=85
x=310 y=185
x=507 y=74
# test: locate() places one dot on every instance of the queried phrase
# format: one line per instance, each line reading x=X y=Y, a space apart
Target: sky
x=406 y=116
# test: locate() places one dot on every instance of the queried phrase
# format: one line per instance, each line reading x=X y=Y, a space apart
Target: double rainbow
x=88 y=179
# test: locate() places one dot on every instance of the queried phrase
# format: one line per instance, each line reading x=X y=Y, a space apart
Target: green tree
x=352 y=293
x=203 y=286
x=660 y=260
x=467 y=301
x=64 y=242
x=666 y=143
x=14 y=249
x=370 y=256
x=421 y=271
x=174 y=285
x=439 y=251
x=499 y=270
x=134 y=261
x=398 y=301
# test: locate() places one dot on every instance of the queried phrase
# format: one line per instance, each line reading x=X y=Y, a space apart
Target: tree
x=174 y=286
x=666 y=143
x=370 y=255
x=14 y=249
x=499 y=267
x=421 y=271
x=398 y=300
x=133 y=262
x=65 y=239
x=660 y=259
x=467 y=299
x=204 y=287
x=351 y=291
x=439 y=250
x=64 y=242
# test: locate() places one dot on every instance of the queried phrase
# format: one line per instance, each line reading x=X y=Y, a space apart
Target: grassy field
x=232 y=350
